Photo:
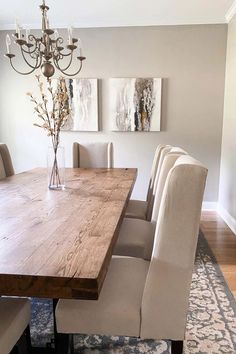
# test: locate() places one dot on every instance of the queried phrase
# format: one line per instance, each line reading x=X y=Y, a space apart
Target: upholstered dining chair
x=139 y=209
x=93 y=155
x=145 y=299
x=136 y=236
x=6 y=167
x=14 y=324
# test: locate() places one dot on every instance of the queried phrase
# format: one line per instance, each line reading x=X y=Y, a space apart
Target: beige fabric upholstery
x=136 y=236
x=164 y=152
x=155 y=163
x=168 y=162
x=117 y=312
x=14 y=318
x=142 y=209
x=135 y=239
x=5 y=162
x=93 y=155
x=2 y=169
x=165 y=298
x=136 y=209
x=145 y=299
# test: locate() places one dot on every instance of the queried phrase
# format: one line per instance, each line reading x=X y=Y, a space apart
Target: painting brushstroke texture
x=83 y=101
x=135 y=104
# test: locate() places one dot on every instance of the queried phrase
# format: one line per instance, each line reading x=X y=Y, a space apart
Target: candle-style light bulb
x=17 y=29
x=80 y=51
x=27 y=34
x=56 y=34
x=8 y=43
x=70 y=31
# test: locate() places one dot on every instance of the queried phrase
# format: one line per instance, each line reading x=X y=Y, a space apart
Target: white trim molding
x=231 y=12
x=210 y=206
x=229 y=220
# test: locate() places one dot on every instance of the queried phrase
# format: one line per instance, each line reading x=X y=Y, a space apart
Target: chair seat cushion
x=135 y=239
x=117 y=311
x=14 y=318
x=136 y=209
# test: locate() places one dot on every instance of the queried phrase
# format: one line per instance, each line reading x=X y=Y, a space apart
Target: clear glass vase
x=56 y=168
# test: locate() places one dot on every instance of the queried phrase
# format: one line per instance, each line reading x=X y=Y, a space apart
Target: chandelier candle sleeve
x=8 y=43
x=49 y=52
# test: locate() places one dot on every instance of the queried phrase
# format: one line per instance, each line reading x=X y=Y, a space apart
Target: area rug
x=211 y=324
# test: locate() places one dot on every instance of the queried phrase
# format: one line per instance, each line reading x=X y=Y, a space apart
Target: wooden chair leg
x=177 y=347
x=64 y=343
x=28 y=339
x=23 y=346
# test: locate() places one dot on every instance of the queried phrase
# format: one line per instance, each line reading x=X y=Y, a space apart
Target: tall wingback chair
x=93 y=155
x=6 y=167
x=167 y=287
x=168 y=162
x=140 y=209
x=148 y=299
x=136 y=236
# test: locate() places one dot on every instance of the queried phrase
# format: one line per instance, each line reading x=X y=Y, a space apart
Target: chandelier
x=46 y=52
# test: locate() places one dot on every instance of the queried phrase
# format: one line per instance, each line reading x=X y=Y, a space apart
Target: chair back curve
x=155 y=163
x=150 y=200
x=166 y=292
x=93 y=155
x=168 y=163
x=6 y=166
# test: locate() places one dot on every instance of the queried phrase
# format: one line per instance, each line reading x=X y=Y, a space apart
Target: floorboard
x=223 y=244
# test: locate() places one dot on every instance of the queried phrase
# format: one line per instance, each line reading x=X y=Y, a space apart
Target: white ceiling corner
x=231 y=12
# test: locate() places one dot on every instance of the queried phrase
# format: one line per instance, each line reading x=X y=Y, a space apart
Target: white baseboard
x=228 y=219
x=210 y=206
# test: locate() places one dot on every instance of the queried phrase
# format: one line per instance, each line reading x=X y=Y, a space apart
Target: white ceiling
x=105 y=13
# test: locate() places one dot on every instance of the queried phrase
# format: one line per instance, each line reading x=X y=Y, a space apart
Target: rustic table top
x=58 y=244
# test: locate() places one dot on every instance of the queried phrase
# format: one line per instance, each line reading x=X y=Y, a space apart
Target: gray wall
x=191 y=59
x=227 y=193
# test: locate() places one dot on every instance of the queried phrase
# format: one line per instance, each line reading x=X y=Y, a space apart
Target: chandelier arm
x=30 y=65
x=60 y=42
x=31 y=39
x=66 y=54
x=21 y=73
x=56 y=63
x=70 y=61
x=76 y=73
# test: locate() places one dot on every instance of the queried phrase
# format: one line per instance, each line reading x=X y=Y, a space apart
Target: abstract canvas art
x=83 y=101
x=135 y=104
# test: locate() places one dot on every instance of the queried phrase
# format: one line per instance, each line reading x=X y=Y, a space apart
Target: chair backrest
x=150 y=200
x=165 y=297
x=155 y=163
x=6 y=167
x=168 y=163
x=93 y=155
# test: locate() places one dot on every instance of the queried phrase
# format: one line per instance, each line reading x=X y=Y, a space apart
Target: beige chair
x=93 y=155
x=14 y=324
x=136 y=236
x=140 y=209
x=148 y=299
x=6 y=167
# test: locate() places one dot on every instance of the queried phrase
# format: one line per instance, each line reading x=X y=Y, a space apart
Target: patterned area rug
x=211 y=325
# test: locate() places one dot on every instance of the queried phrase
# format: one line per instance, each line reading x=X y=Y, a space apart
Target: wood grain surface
x=58 y=244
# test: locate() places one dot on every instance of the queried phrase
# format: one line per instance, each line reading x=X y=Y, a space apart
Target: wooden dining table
x=58 y=244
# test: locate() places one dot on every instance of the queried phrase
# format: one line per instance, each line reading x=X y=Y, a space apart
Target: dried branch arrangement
x=53 y=111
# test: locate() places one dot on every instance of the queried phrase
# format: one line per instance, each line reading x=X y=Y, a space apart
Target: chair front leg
x=23 y=346
x=177 y=347
x=64 y=343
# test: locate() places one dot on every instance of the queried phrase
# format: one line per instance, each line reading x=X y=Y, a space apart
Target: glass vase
x=56 y=168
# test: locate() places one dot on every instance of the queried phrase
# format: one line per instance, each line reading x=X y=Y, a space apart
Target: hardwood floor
x=223 y=244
